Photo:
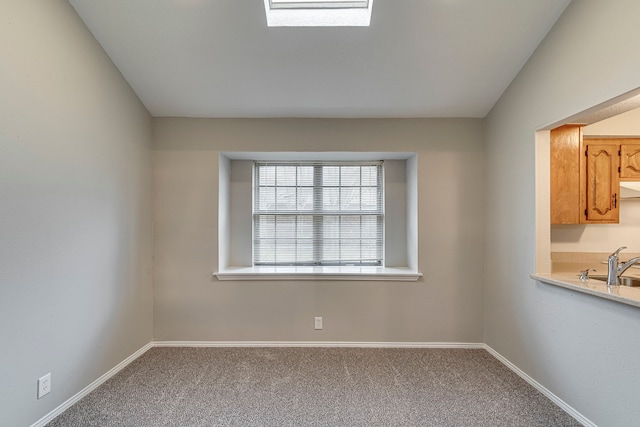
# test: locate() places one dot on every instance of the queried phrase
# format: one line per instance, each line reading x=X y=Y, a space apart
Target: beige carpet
x=315 y=387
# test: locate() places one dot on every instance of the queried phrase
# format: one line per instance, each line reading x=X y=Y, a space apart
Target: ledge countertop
x=570 y=280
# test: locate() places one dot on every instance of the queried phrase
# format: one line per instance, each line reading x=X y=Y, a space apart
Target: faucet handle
x=584 y=274
x=618 y=250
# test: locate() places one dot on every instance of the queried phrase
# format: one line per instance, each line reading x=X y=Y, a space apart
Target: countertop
x=566 y=270
x=623 y=294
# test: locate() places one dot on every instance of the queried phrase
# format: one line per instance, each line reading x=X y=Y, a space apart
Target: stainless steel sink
x=624 y=280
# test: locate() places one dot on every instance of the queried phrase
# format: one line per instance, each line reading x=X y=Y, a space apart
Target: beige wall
x=445 y=306
x=75 y=199
x=605 y=237
x=624 y=124
x=582 y=348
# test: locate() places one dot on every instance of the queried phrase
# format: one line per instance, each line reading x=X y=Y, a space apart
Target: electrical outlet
x=44 y=385
x=318 y=322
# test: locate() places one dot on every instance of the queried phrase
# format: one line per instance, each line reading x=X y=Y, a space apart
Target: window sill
x=389 y=274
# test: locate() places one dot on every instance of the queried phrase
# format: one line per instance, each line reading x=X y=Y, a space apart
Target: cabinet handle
x=615 y=200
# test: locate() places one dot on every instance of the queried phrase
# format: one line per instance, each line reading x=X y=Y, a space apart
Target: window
x=318 y=13
x=371 y=224
x=318 y=213
x=318 y=4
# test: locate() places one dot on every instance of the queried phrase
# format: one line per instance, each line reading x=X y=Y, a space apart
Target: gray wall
x=583 y=349
x=445 y=306
x=75 y=219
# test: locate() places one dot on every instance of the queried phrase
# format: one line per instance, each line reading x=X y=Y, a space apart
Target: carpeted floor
x=315 y=387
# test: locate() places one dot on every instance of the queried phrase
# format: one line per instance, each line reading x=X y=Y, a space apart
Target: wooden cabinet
x=586 y=174
x=585 y=177
x=566 y=146
x=628 y=152
x=600 y=198
x=629 y=159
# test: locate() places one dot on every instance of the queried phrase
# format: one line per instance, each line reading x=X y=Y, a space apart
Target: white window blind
x=318 y=213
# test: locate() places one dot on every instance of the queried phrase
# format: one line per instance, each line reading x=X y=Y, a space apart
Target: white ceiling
x=419 y=58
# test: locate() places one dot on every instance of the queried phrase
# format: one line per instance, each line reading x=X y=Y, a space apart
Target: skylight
x=318 y=13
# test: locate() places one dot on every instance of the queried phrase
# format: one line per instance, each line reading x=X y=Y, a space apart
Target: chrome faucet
x=615 y=270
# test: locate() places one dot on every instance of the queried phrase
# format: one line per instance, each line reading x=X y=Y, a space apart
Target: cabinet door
x=601 y=197
x=630 y=160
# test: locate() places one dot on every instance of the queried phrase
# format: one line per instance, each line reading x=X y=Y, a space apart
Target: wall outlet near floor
x=44 y=385
x=318 y=322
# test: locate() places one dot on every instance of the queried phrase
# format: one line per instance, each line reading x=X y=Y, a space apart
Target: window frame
x=318 y=213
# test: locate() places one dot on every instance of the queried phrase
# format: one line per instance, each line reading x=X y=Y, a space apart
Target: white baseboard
x=317 y=344
x=88 y=389
x=555 y=399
